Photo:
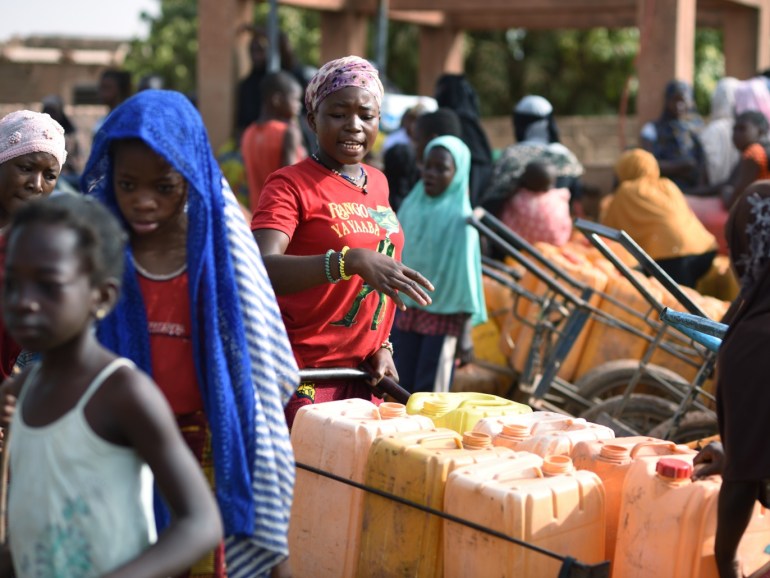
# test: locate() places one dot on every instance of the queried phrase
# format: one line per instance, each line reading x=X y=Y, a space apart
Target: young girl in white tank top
x=87 y=423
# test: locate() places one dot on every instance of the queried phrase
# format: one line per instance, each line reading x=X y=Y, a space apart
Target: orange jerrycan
x=668 y=522
x=625 y=304
x=551 y=506
x=562 y=437
x=459 y=411
x=541 y=432
x=579 y=267
x=525 y=422
x=610 y=460
x=325 y=524
x=399 y=540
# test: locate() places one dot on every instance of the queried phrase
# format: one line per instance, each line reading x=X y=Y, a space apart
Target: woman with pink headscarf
x=32 y=154
x=331 y=242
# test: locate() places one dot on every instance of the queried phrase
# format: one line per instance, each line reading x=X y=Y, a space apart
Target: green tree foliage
x=583 y=72
x=171 y=48
x=302 y=27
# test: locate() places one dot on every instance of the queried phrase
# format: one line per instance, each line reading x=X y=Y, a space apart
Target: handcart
x=693 y=406
x=563 y=311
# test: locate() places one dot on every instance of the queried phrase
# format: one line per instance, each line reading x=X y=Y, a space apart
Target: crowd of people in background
x=345 y=252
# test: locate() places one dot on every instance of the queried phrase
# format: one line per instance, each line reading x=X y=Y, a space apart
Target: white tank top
x=77 y=504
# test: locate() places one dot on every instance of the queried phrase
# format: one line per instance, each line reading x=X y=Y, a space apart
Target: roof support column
x=342 y=34
x=441 y=50
x=763 y=36
x=740 y=42
x=219 y=21
x=667 y=50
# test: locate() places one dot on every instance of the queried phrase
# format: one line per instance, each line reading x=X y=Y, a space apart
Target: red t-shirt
x=262 y=152
x=332 y=325
x=167 y=303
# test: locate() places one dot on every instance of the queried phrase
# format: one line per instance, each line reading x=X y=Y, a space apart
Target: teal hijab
x=440 y=245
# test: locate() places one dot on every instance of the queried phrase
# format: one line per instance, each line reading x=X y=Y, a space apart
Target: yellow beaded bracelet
x=344 y=276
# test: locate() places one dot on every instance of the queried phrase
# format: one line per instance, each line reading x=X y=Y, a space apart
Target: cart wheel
x=694 y=425
x=610 y=379
x=637 y=415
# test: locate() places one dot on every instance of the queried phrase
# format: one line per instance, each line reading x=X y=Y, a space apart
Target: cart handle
x=705 y=331
x=386 y=385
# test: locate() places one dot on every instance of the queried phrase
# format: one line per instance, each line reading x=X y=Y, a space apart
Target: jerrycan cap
x=674 y=468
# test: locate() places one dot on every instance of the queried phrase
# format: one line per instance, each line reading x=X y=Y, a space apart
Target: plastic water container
x=526 y=423
x=325 y=524
x=579 y=267
x=459 y=411
x=399 y=540
x=560 y=440
x=610 y=460
x=607 y=343
x=543 y=502
x=668 y=523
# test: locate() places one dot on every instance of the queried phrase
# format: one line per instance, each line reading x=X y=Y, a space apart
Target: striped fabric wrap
x=244 y=361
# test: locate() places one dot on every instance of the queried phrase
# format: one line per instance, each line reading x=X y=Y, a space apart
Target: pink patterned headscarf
x=341 y=73
x=25 y=131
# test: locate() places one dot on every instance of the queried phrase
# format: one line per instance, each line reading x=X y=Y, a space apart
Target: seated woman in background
x=717 y=136
x=538 y=210
x=654 y=212
x=674 y=138
x=537 y=139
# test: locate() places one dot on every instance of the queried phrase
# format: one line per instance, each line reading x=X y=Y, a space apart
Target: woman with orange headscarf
x=654 y=212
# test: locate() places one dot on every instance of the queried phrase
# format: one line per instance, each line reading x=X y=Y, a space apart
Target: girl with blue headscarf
x=198 y=313
x=443 y=247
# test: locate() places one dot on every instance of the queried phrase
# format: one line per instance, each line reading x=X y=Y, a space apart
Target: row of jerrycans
x=552 y=481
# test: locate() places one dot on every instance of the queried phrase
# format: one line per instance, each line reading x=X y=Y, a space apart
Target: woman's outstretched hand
x=385 y=274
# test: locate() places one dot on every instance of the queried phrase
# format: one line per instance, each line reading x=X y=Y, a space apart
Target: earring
x=100 y=314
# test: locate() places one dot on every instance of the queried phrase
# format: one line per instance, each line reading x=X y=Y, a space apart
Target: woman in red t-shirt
x=327 y=219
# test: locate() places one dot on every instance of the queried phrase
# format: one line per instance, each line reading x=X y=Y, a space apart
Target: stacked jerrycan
x=607 y=342
x=325 y=525
x=579 y=267
x=541 y=432
x=611 y=460
x=668 y=522
x=398 y=539
x=542 y=501
x=459 y=411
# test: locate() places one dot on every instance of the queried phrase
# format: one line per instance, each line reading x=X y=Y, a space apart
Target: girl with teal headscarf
x=445 y=249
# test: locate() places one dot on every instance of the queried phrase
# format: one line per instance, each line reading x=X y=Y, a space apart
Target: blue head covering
x=440 y=245
x=243 y=359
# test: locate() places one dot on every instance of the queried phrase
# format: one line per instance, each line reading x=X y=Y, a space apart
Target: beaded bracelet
x=387 y=345
x=344 y=276
x=327 y=267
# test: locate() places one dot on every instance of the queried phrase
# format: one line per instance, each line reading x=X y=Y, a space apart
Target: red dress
x=167 y=303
